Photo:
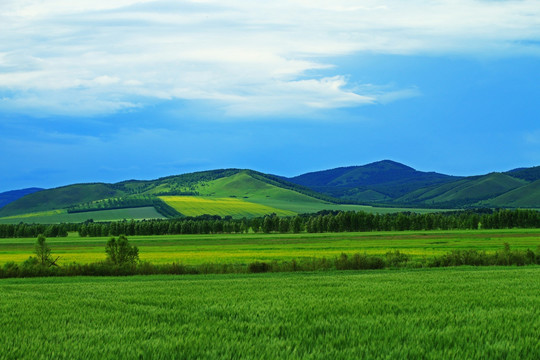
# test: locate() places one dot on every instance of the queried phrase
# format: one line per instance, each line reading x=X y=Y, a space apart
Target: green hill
x=380 y=181
x=60 y=198
x=255 y=194
x=236 y=192
x=527 y=196
x=529 y=174
x=467 y=191
x=10 y=196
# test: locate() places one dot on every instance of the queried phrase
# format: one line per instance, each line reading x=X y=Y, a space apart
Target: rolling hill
x=380 y=181
x=527 y=196
x=384 y=186
x=231 y=192
x=467 y=191
x=10 y=196
x=393 y=184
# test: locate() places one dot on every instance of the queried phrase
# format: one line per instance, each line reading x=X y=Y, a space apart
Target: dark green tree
x=120 y=252
x=43 y=252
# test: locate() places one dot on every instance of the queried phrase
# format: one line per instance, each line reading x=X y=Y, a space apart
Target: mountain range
x=391 y=183
x=385 y=185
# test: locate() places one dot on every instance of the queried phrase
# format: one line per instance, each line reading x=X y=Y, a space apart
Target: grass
x=61 y=216
x=246 y=248
x=195 y=206
x=465 y=313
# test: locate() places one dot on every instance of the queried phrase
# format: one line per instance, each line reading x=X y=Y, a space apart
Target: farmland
x=437 y=313
x=196 y=206
x=62 y=216
x=245 y=248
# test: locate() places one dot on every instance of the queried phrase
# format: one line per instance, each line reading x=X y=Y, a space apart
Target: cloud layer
x=246 y=57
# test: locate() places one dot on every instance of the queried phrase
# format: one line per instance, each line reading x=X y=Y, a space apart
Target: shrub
x=120 y=252
x=396 y=259
x=11 y=269
x=258 y=267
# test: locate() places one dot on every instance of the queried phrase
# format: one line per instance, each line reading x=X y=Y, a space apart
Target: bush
x=11 y=269
x=120 y=252
x=258 y=267
x=359 y=262
x=396 y=259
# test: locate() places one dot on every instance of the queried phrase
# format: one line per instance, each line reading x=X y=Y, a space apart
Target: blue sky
x=121 y=89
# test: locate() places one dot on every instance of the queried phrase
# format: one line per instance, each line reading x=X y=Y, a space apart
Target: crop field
x=237 y=208
x=246 y=248
x=458 y=313
x=61 y=216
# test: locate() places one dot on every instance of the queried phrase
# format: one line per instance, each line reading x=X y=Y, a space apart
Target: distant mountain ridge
x=378 y=181
x=384 y=183
x=10 y=196
x=391 y=183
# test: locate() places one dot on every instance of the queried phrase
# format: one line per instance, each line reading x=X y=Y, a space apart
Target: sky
x=110 y=90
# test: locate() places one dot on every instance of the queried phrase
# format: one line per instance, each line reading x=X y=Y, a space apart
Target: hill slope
x=380 y=181
x=527 y=196
x=254 y=194
x=60 y=198
x=528 y=174
x=238 y=192
x=467 y=191
x=10 y=196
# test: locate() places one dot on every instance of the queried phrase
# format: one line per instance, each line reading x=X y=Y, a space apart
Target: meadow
x=246 y=248
x=452 y=313
x=62 y=216
x=237 y=208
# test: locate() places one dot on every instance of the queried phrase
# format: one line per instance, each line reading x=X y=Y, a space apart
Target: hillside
x=376 y=182
x=10 y=196
x=467 y=191
x=394 y=184
x=60 y=198
x=388 y=185
x=527 y=196
x=528 y=174
x=230 y=192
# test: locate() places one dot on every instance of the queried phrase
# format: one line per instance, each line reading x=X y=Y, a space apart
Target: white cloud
x=57 y=56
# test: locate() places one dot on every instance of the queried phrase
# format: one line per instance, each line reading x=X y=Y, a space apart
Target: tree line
x=324 y=221
x=124 y=203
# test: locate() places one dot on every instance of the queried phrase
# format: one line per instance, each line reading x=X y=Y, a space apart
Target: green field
x=246 y=248
x=237 y=208
x=463 y=313
x=62 y=216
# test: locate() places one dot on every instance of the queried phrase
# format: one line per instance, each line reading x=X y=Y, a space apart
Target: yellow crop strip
x=196 y=206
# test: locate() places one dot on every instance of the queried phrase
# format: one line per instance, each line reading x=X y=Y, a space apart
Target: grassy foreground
x=246 y=248
x=473 y=313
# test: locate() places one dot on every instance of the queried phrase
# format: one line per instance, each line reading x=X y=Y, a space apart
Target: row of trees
x=126 y=202
x=327 y=221
x=322 y=222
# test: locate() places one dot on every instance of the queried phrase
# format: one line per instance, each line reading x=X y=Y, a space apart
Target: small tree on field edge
x=43 y=252
x=120 y=252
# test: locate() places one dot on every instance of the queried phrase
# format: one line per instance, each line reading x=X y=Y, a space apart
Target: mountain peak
x=389 y=164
